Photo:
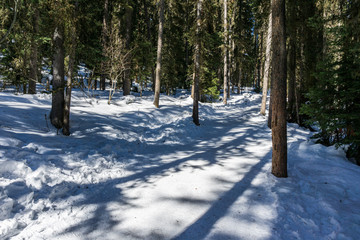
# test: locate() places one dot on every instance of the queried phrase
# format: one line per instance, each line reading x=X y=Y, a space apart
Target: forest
x=124 y=83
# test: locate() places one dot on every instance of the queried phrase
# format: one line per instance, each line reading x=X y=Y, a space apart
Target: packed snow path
x=130 y=171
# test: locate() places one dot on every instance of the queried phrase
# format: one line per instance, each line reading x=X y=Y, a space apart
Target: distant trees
x=333 y=102
x=208 y=45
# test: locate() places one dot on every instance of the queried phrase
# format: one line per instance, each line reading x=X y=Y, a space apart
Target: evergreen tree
x=334 y=101
x=159 y=50
x=278 y=77
x=195 y=115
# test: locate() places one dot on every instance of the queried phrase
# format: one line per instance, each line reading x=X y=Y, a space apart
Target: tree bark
x=278 y=76
x=57 y=109
x=33 y=74
x=267 y=66
x=226 y=86
x=71 y=67
x=197 y=65
x=159 y=49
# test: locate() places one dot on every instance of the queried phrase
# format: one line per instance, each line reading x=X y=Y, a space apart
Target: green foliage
x=174 y=61
x=334 y=103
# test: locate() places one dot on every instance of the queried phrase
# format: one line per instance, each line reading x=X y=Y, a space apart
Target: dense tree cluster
x=210 y=46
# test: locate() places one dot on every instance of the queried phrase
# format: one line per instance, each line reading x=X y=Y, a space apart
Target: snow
x=131 y=171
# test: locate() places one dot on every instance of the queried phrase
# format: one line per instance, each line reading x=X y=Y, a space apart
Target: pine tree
x=195 y=115
x=57 y=107
x=72 y=35
x=226 y=52
x=334 y=100
x=267 y=66
x=278 y=77
x=159 y=51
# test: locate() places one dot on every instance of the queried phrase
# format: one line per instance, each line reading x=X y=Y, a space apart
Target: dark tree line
x=306 y=52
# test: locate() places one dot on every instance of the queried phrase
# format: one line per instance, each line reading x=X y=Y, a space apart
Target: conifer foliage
x=214 y=48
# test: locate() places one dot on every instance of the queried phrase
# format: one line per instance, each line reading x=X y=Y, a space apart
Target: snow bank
x=131 y=171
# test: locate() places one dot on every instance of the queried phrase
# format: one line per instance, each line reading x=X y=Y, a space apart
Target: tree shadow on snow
x=149 y=168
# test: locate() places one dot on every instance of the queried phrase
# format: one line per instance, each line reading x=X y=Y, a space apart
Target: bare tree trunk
x=66 y=126
x=195 y=115
x=239 y=80
x=261 y=65
x=226 y=85
x=159 y=49
x=71 y=67
x=57 y=108
x=33 y=78
x=267 y=66
x=278 y=76
x=256 y=50
x=270 y=104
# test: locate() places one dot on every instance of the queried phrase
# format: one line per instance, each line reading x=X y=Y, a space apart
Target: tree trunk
x=239 y=80
x=278 y=76
x=267 y=66
x=159 y=49
x=256 y=65
x=226 y=72
x=57 y=109
x=71 y=67
x=261 y=63
x=33 y=74
x=197 y=65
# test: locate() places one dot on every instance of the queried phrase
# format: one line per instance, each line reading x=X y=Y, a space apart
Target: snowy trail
x=130 y=171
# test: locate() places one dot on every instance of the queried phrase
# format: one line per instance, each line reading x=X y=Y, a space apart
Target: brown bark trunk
x=239 y=81
x=66 y=127
x=266 y=67
x=261 y=62
x=226 y=84
x=278 y=76
x=159 y=49
x=57 y=109
x=197 y=65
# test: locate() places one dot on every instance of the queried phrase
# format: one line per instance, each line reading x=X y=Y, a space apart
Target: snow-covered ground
x=131 y=171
